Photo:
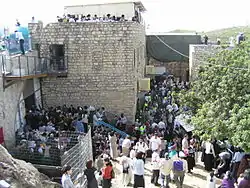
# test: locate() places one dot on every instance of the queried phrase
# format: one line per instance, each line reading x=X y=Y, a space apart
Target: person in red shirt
x=107 y=174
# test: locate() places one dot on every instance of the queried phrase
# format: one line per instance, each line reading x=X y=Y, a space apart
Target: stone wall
x=9 y=101
x=105 y=61
x=199 y=54
x=178 y=69
x=12 y=104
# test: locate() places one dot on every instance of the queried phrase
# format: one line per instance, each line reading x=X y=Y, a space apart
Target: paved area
x=198 y=179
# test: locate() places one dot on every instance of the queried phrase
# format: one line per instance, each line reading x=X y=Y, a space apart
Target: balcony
x=27 y=67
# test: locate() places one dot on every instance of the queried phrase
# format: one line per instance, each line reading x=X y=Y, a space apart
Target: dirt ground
x=198 y=179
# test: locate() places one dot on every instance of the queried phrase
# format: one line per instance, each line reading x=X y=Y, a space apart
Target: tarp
x=181 y=120
x=159 y=51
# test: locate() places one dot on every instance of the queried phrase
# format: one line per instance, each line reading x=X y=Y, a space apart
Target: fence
x=70 y=148
x=77 y=157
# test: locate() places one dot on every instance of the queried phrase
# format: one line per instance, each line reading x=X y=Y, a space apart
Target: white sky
x=162 y=15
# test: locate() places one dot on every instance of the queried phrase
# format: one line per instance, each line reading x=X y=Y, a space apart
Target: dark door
x=30 y=101
x=187 y=75
x=57 y=57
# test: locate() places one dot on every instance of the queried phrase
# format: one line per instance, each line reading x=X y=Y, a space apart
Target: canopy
x=181 y=120
x=161 y=52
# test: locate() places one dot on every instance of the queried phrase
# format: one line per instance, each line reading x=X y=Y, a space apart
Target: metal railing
x=44 y=149
x=20 y=66
x=123 y=134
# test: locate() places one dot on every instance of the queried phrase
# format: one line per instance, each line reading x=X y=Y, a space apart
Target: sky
x=161 y=15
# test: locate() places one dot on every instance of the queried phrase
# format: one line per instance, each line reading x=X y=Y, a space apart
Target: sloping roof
x=101 y=2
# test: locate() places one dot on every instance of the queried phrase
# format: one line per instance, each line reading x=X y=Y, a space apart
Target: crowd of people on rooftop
x=95 y=18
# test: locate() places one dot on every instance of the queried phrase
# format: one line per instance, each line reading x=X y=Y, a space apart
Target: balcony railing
x=26 y=67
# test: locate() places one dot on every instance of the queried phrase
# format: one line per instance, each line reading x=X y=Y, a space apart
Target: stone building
x=199 y=54
x=104 y=63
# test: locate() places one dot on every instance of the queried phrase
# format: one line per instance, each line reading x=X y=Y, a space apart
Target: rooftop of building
x=75 y=3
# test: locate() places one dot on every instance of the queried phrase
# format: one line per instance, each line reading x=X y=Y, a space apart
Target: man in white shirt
x=184 y=143
x=155 y=143
x=155 y=161
x=126 y=144
x=141 y=147
x=132 y=153
x=138 y=170
x=166 y=166
x=20 y=38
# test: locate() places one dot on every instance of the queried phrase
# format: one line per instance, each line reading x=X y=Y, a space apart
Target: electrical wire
x=236 y=68
x=171 y=47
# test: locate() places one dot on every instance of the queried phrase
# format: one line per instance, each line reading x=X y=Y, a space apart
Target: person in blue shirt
x=80 y=126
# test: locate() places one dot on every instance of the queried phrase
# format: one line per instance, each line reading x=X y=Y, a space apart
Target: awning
x=181 y=120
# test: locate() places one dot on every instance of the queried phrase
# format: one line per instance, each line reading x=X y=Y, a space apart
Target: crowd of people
x=173 y=152
x=95 y=18
x=47 y=134
x=156 y=137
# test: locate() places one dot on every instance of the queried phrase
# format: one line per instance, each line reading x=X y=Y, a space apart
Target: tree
x=220 y=97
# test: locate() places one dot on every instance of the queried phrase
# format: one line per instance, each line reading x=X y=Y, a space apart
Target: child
x=211 y=181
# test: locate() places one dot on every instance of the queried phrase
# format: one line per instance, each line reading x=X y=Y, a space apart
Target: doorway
x=57 y=52
x=30 y=102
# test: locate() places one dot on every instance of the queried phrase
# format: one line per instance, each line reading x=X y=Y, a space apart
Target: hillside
x=226 y=33
x=223 y=34
x=182 y=31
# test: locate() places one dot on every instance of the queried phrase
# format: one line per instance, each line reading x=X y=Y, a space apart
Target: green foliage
x=220 y=97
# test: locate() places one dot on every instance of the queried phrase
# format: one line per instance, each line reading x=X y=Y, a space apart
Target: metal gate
x=77 y=157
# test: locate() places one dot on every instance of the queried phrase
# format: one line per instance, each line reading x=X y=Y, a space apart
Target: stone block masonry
x=178 y=69
x=199 y=54
x=105 y=62
x=9 y=101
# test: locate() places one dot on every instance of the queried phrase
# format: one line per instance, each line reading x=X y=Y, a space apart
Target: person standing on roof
x=20 y=39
